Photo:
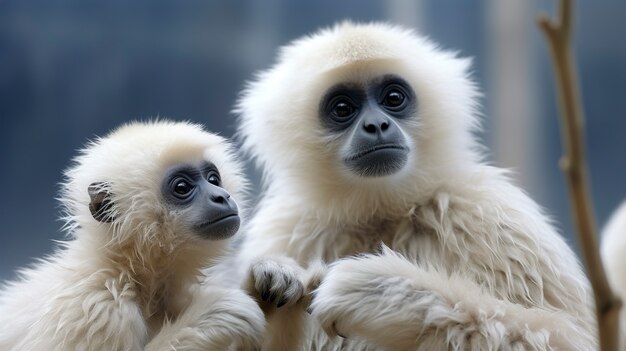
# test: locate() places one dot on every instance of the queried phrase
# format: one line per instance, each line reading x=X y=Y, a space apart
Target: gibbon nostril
x=370 y=128
x=384 y=126
x=218 y=199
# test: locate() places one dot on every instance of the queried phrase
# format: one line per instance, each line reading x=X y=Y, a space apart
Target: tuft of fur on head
x=280 y=122
x=131 y=162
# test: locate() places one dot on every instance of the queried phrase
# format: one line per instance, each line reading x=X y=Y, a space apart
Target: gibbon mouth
x=219 y=228
x=217 y=220
x=373 y=149
x=378 y=161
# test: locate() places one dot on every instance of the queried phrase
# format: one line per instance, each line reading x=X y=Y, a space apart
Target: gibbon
x=146 y=207
x=613 y=251
x=364 y=133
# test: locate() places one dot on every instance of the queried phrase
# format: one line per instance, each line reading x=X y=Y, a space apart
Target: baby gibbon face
x=195 y=193
x=162 y=183
x=371 y=106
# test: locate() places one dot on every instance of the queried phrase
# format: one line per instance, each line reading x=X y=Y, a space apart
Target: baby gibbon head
x=364 y=107
x=156 y=183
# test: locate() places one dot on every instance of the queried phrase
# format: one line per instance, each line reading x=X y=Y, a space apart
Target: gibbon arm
x=400 y=306
x=103 y=319
x=216 y=319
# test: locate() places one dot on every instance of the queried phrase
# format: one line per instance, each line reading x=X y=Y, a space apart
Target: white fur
x=472 y=264
x=613 y=251
x=113 y=286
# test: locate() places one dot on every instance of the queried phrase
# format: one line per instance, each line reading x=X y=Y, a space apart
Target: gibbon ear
x=100 y=205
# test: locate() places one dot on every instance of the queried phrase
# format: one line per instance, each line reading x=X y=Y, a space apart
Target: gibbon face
x=360 y=107
x=367 y=119
x=195 y=192
x=162 y=182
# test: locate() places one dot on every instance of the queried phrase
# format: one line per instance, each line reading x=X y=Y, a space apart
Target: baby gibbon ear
x=100 y=205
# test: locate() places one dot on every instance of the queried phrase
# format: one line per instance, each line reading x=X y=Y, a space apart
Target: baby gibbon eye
x=182 y=188
x=393 y=98
x=214 y=178
x=342 y=109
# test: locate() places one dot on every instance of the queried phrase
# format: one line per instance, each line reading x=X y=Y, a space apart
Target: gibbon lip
x=374 y=149
x=219 y=219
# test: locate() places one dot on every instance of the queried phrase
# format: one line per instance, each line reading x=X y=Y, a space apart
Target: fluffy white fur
x=116 y=286
x=468 y=262
x=614 y=257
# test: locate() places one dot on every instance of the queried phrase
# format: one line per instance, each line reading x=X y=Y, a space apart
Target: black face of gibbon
x=366 y=118
x=207 y=209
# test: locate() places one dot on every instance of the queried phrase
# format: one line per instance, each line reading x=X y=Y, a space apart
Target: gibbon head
x=157 y=183
x=362 y=107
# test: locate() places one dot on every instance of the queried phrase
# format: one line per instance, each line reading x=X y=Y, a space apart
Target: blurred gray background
x=70 y=70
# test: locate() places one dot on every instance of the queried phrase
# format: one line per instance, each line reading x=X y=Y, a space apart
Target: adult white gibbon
x=365 y=136
x=147 y=207
x=614 y=257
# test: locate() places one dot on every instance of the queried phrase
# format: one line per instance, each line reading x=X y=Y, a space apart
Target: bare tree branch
x=573 y=165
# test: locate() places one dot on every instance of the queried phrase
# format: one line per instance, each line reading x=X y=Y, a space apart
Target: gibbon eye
x=343 y=109
x=214 y=179
x=182 y=187
x=393 y=98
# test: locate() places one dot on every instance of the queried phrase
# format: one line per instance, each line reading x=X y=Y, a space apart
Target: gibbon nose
x=221 y=199
x=375 y=123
